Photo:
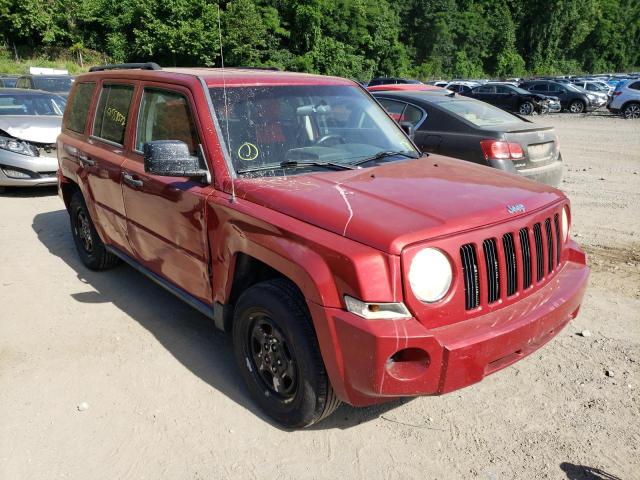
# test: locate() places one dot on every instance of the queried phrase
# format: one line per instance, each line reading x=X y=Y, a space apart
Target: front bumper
x=373 y=361
x=35 y=171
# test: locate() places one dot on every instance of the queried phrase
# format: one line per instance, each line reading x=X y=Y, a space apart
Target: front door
x=166 y=215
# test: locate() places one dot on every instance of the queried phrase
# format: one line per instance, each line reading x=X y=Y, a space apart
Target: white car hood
x=32 y=128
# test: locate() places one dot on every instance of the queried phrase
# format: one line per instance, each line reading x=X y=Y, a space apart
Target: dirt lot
x=164 y=400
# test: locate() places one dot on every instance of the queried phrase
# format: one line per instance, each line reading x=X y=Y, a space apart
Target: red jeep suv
x=296 y=214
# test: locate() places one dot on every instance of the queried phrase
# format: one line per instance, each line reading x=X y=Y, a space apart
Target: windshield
x=56 y=84
x=479 y=113
x=266 y=126
x=31 y=104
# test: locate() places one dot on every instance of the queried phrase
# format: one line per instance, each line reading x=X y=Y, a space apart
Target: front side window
x=265 y=126
x=165 y=116
x=402 y=112
x=31 y=104
x=76 y=115
x=112 y=113
x=502 y=89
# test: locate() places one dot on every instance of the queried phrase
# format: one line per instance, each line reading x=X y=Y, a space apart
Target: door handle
x=132 y=181
x=85 y=160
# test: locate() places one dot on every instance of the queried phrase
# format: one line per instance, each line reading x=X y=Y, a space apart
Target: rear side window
x=78 y=109
x=539 y=88
x=112 y=113
x=635 y=86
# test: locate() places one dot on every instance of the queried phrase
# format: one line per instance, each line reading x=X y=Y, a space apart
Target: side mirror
x=408 y=128
x=171 y=158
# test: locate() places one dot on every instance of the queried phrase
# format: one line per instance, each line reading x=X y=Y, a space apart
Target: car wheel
x=631 y=110
x=526 y=108
x=577 y=106
x=92 y=251
x=278 y=354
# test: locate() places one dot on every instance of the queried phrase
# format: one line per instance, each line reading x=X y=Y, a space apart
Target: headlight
x=18 y=146
x=430 y=275
x=565 y=223
x=591 y=97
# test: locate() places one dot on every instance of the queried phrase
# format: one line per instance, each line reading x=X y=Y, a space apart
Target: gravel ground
x=105 y=375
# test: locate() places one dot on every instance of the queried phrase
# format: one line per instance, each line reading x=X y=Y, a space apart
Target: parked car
x=461 y=87
x=594 y=86
x=472 y=130
x=392 y=81
x=571 y=98
x=29 y=124
x=295 y=213
x=8 y=81
x=626 y=99
x=60 y=84
x=514 y=99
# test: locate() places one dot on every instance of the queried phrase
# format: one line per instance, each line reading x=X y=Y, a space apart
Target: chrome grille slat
x=512 y=266
x=537 y=236
x=525 y=247
x=493 y=271
x=547 y=228
x=558 y=240
x=470 y=274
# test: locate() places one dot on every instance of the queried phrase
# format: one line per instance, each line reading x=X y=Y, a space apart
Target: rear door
x=102 y=156
x=166 y=215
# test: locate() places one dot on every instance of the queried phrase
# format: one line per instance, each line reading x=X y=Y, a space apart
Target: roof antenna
x=226 y=109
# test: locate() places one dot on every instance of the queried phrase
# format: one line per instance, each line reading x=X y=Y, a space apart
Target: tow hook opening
x=408 y=364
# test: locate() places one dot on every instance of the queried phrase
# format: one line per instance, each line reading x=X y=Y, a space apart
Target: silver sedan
x=30 y=122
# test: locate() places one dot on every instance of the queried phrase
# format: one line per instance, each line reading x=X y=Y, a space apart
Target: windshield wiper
x=384 y=154
x=296 y=164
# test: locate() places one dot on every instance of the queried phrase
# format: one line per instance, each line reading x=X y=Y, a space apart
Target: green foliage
x=352 y=38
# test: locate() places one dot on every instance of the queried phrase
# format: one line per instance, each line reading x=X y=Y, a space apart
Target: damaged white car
x=30 y=122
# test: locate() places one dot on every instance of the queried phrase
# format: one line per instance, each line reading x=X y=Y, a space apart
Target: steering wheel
x=331 y=140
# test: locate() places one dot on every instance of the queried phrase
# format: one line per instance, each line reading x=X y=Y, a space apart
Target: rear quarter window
x=75 y=118
x=112 y=113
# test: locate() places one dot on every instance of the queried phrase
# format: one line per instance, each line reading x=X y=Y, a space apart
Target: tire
x=526 y=108
x=631 y=111
x=287 y=379
x=92 y=251
x=577 y=106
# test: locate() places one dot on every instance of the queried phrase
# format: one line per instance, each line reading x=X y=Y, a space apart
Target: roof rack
x=273 y=69
x=126 y=66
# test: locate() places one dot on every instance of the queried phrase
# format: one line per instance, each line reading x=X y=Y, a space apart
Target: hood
x=32 y=128
x=400 y=203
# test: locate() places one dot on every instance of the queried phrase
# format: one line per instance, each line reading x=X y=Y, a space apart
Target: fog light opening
x=408 y=364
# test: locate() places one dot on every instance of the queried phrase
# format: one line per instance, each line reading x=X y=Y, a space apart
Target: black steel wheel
x=90 y=248
x=271 y=357
x=279 y=357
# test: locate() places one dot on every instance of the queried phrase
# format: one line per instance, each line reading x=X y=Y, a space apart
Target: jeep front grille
x=481 y=268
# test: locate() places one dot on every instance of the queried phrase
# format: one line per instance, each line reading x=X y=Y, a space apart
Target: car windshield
x=312 y=124
x=52 y=84
x=31 y=104
x=479 y=113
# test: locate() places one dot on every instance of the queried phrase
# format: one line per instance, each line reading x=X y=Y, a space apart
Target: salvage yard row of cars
x=546 y=95
x=316 y=221
x=31 y=108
